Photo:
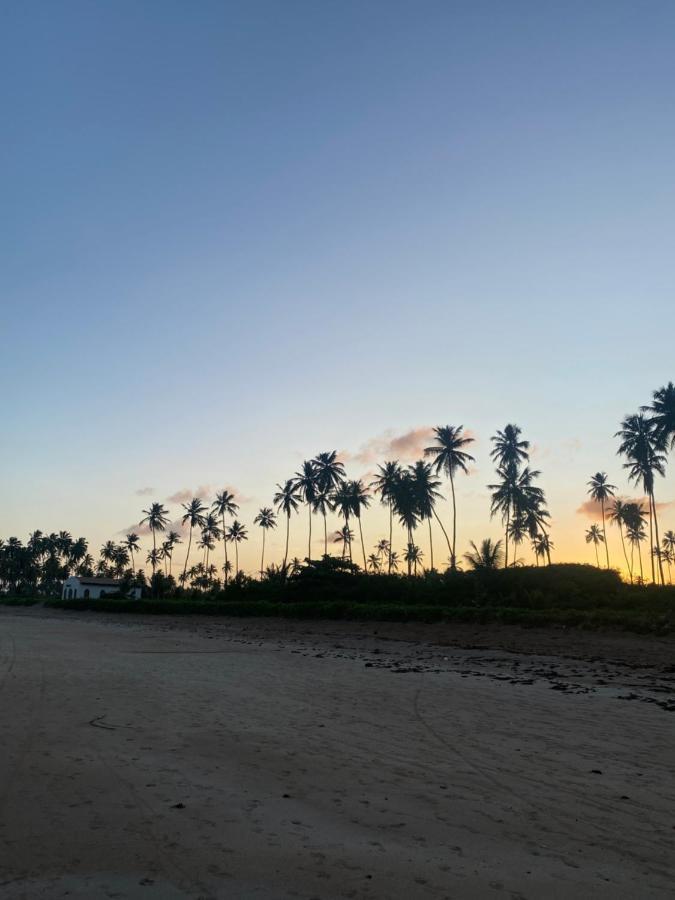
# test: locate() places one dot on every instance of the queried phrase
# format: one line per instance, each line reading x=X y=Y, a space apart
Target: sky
x=238 y=234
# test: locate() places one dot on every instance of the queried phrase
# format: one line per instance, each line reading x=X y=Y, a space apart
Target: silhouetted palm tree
x=488 y=556
x=225 y=505
x=306 y=481
x=450 y=458
x=132 y=543
x=662 y=409
x=154 y=557
x=595 y=536
x=267 y=519
x=413 y=555
x=344 y=536
x=426 y=495
x=617 y=516
x=642 y=446
x=384 y=484
x=330 y=472
x=405 y=506
x=374 y=563
x=360 y=500
x=210 y=534
x=518 y=531
x=172 y=539
x=236 y=533
x=508 y=453
x=156 y=518
x=322 y=504
x=287 y=501
x=195 y=518
x=601 y=490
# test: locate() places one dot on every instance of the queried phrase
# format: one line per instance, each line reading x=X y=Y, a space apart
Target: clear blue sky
x=235 y=234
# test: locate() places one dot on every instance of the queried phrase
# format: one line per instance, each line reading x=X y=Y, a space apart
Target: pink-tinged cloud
x=145 y=492
x=206 y=493
x=406 y=447
x=593 y=509
x=144 y=530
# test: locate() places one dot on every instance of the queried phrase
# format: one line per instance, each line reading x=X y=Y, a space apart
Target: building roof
x=101 y=582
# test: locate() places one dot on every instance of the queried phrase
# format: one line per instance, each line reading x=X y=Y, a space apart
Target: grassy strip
x=637 y=620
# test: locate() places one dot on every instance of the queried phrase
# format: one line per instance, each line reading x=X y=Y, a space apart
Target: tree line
x=411 y=495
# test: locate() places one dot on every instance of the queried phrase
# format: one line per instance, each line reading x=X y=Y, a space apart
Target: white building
x=84 y=588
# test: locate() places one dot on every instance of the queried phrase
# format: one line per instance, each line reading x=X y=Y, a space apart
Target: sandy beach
x=202 y=758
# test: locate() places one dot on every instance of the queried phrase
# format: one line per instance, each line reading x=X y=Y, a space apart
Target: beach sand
x=145 y=757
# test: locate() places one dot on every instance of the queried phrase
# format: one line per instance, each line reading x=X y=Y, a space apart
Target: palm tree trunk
x=642 y=574
x=187 y=555
x=453 y=554
x=225 y=548
x=431 y=544
x=309 y=545
x=506 y=537
x=597 y=559
x=658 y=541
x=363 y=546
x=325 y=534
x=625 y=555
x=288 y=526
x=262 y=558
x=391 y=533
x=651 y=539
x=604 y=532
x=236 y=557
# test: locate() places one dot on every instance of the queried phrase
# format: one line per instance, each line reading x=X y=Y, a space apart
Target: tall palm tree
x=154 y=557
x=425 y=487
x=636 y=535
x=330 y=472
x=601 y=490
x=384 y=484
x=306 y=481
x=662 y=409
x=211 y=530
x=406 y=507
x=542 y=546
x=450 y=458
x=131 y=541
x=508 y=452
x=236 y=533
x=267 y=519
x=360 y=500
x=172 y=539
x=225 y=505
x=488 y=556
x=518 y=531
x=156 y=518
x=287 y=501
x=668 y=544
x=383 y=549
x=374 y=563
x=595 y=536
x=642 y=445
x=194 y=517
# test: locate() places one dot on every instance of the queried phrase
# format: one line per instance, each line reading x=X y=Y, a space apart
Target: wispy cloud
x=145 y=492
x=405 y=447
x=206 y=493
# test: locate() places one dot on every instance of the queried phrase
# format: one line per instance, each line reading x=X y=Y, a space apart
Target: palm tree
x=154 y=557
x=329 y=473
x=156 y=518
x=382 y=548
x=360 y=500
x=601 y=490
x=426 y=495
x=518 y=531
x=393 y=561
x=322 y=504
x=195 y=518
x=634 y=518
x=617 y=513
x=668 y=544
x=210 y=530
x=662 y=409
x=172 y=539
x=223 y=505
x=412 y=556
x=636 y=535
x=344 y=536
x=508 y=453
x=307 y=485
x=267 y=519
x=542 y=546
x=595 y=536
x=287 y=501
x=236 y=533
x=374 y=563
x=642 y=445
x=131 y=541
x=384 y=484
x=342 y=500
x=450 y=458
x=488 y=556
x=406 y=506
